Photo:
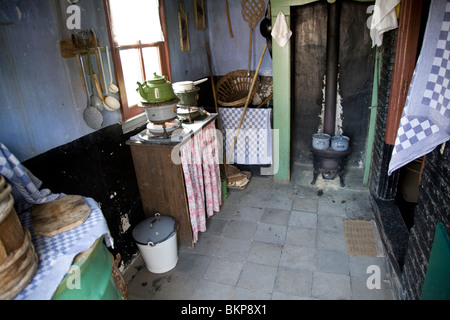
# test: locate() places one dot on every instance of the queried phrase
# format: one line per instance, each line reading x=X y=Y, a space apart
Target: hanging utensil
x=92 y=116
x=265 y=27
x=228 y=19
x=95 y=101
x=112 y=87
x=252 y=12
x=81 y=72
x=110 y=103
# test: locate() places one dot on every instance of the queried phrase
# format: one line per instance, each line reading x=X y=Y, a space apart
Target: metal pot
x=184 y=86
x=160 y=113
x=340 y=143
x=156 y=89
x=321 y=141
x=188 y=98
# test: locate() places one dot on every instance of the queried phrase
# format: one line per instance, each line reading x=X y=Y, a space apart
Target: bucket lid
x=154 y=230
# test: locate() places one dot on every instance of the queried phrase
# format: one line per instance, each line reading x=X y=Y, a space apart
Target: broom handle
x=215 y=102
x=250 y=51
x=246 y=103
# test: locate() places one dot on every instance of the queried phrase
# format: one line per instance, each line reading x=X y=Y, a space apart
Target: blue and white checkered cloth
x=25 y=186
x=56 y=253
x=425 y=122
x=254 y=142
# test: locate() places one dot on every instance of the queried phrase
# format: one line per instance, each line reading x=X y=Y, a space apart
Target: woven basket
x=233 y=88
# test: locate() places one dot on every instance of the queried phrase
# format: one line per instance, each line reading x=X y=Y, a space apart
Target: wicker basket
x=233 y=88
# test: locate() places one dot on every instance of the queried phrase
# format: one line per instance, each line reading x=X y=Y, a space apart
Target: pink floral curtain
x=200 y=162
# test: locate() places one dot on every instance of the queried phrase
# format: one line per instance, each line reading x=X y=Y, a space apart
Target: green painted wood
x=373 y=116
x=282 y=89
x=437 y=282
x=96 y=280
x=282 y=100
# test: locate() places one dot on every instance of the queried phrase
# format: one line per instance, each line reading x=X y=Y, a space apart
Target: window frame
x=163 y=48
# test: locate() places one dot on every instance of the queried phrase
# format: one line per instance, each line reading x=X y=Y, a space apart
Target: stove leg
x=341 y=178
x=316 y=173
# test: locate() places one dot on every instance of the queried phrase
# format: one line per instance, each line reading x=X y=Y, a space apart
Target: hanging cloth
x=281 y=32
x=384 y=19
x=425 y=121
x=200 y=163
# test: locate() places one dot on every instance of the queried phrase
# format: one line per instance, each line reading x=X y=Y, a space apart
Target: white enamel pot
x=321 y=141
x=339 y=143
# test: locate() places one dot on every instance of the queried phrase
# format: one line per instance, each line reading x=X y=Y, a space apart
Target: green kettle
x=155 y=90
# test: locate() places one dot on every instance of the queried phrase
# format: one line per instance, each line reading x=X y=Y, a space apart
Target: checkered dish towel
x=425 y=122
x=25 y=186
x=254 y=142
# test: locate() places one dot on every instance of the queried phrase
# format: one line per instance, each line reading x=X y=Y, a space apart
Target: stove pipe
x=329 y=118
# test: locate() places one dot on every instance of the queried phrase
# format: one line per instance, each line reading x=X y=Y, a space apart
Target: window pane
x=135 y=20
x=151 y=61
x=131 y=74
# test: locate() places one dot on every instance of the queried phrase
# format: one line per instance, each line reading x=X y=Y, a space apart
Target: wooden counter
x=161 y=180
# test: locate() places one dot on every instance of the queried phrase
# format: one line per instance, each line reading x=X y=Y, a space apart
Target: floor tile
x=270 y=233
x=332 y=262
x=331 y=240
x=279 y=241
x=246 y=294
x=243 y=230
x=245 y=213
x=305 y=204
x=276 y=216
x=296 y=257
x=294 y=282
x=234 y=249
x=177 y=288
x=192 y=265
x=224 y=271
x=265 y=253
x=329 y=286
x=301 y=219
x=332 y=223
x=301 y=237
x=257 y=277
x=207 y=290
x=360 y=290
x=207 y=244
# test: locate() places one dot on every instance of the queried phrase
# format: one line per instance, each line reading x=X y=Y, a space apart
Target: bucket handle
x=151 y=244
x=154 y=220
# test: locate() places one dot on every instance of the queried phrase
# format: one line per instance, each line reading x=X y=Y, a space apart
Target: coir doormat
x=359 y=238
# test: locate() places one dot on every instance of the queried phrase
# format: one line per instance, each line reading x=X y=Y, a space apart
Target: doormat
x=359 y=238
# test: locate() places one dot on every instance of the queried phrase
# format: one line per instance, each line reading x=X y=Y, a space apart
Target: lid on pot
x=156 y=78
x=154 y=230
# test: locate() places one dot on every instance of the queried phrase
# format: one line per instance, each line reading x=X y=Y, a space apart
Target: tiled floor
x=272 y=241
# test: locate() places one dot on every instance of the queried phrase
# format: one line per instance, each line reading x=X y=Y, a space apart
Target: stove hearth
x=330 y=163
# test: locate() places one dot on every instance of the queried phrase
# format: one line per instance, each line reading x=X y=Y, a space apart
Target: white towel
x=281 y=32
x=384 y=18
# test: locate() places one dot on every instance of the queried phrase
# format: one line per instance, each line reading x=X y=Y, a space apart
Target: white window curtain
x=135 y=20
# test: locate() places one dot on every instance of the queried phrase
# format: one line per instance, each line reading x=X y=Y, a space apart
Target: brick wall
x=433 y=206
x=407 y=251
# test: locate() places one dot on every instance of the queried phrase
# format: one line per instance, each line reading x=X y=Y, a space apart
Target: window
x=138 y=46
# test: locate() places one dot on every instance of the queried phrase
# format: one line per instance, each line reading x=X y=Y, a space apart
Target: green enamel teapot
x=157 y=89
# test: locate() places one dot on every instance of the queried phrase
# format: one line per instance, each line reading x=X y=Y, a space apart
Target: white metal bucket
x=161 y=257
